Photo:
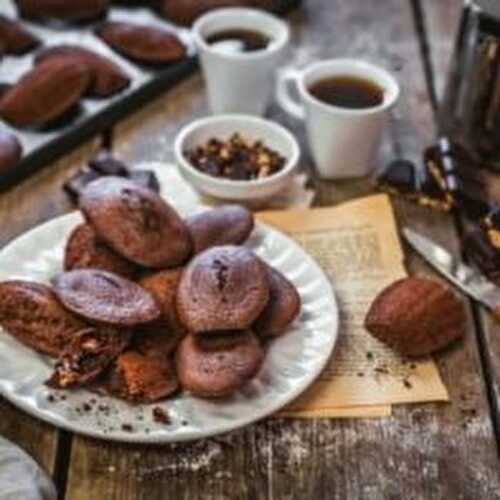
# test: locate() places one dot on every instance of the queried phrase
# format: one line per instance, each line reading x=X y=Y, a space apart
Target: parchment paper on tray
x=357 y=245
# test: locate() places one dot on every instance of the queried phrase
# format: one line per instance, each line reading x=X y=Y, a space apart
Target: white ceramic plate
x=291 y=365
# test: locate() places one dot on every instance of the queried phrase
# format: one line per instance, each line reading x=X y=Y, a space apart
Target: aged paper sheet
x=357 y=246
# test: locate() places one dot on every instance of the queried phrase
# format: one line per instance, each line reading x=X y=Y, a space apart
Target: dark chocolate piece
x=106 y=164
x=146 y=178
x=75 y=184
x=399 y=177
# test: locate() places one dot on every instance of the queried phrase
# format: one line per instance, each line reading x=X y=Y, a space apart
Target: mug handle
x=285 y=100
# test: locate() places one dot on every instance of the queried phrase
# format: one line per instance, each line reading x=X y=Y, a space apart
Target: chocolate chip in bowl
x=237 y=157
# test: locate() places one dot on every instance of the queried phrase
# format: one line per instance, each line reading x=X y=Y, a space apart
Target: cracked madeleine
x=88 y=354
x=224 y=288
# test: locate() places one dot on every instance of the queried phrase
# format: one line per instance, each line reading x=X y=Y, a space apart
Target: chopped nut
x=236 y=159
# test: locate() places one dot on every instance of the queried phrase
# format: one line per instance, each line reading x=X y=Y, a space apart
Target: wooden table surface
x=431 y=451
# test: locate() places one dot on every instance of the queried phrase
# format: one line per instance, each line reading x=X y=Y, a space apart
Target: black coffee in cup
x=346 y=91
x=238 y=40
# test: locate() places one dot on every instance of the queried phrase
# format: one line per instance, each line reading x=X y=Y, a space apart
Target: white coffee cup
x=343 y=141
x=240 y=82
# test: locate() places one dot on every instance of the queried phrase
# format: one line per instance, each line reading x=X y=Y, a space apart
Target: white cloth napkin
x=175 y=187
x=21 y=478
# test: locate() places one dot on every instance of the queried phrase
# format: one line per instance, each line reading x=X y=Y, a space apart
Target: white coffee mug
x=240 y=82
x=343 y=141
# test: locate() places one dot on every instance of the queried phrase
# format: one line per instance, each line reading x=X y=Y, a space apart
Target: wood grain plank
x=442 y=21
x=422 y=452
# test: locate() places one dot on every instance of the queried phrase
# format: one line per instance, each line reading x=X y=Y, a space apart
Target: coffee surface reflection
x=238 y=40
x=347 y=91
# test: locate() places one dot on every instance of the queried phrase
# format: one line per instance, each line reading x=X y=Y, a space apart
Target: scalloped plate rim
x=70 y=220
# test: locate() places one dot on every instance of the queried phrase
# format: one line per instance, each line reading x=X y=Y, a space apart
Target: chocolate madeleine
x=74 y=11
x=32 y=313
x=282 y=308
x=85 y=250
x=416 y=316
x=142 y=378
x=163 y=285
x=89 y=353
x=45 y=93
x=136 y=222
x=142 y=43
x=216 y=366
x=223 y=225
x=106 y=77
x=10 y=151
x=102 y=297
x=223 y=288
x=185 y=12
x=15 y=38
x=155 y=341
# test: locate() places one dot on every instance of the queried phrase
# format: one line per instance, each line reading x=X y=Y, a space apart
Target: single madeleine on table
x=416 y=316
x=193 y=319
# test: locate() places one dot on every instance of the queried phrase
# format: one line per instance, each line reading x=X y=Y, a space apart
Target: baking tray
x=93 y=115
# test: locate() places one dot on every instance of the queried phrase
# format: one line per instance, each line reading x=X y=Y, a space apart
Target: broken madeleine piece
x=87 y=356
x=142 y=378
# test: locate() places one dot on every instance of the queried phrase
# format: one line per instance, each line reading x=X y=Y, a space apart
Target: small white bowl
x=251 y=128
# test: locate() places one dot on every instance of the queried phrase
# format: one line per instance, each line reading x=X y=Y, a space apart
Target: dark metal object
x=470 y=111
x=95 y=115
